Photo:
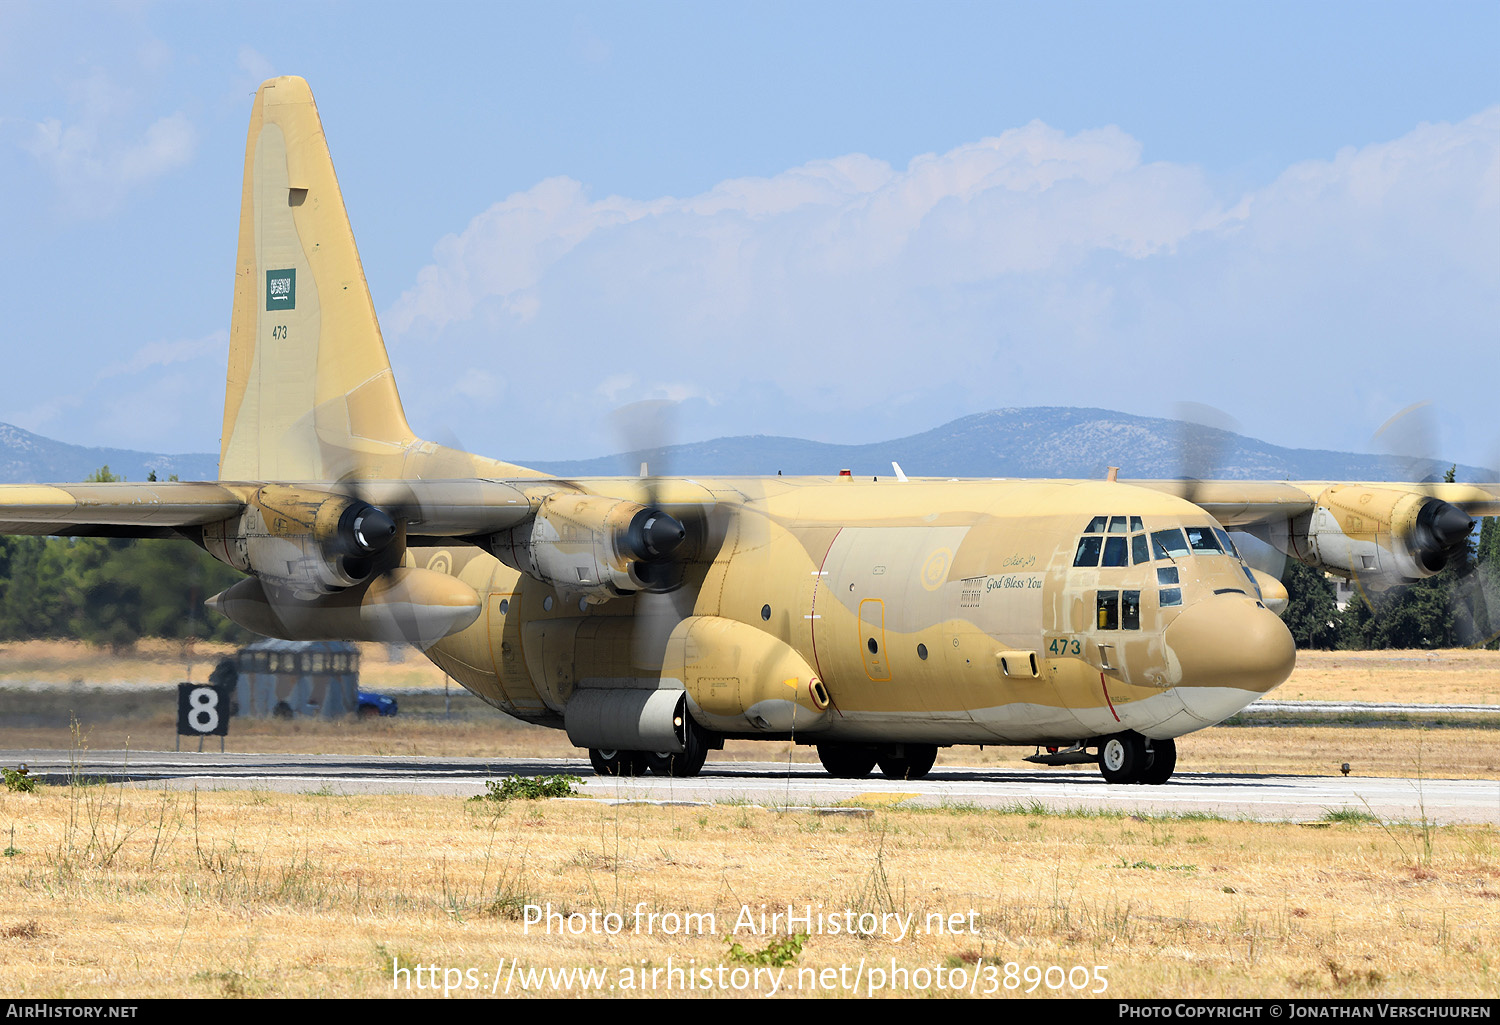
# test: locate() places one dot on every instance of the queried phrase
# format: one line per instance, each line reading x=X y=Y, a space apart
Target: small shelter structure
x=318 y=679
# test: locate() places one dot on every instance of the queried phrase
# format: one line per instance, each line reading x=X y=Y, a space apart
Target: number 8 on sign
x=203 y=710
x=203 y=714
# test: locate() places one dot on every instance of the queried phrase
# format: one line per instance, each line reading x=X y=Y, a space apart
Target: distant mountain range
x=1036 y=442
x=27 y=457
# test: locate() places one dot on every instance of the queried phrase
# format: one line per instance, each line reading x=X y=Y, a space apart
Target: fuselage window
x=1116 y=552
x=1109 y=610
x=1140 y=550
x=1202 y=540
x=1135 y=524
x=1088 y=551
x=1171 y=596
x=1171 y=543
x=1167 y=575
x=1117 y=525
x=1097 y=525
x=1130 y=610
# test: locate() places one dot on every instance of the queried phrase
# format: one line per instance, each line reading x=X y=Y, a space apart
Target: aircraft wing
x=1247 y=503
x=441 y=508
x=114 y=509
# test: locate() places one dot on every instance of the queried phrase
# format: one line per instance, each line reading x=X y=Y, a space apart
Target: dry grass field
x=1462 y=676
x=124 y=892
x=154 y=662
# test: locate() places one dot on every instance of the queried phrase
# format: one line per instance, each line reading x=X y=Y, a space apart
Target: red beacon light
x=845 y=473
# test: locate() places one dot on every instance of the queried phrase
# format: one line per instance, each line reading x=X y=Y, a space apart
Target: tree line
x=110 y=591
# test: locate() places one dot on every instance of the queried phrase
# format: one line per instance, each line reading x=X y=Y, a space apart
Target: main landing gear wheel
x=689 y=762
x=847 y=761
x=607 y=762
x=1130 y=758
x=914 y=762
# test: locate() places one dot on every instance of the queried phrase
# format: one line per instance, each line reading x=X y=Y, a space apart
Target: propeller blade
x=1409 y=440
x=1203 y=437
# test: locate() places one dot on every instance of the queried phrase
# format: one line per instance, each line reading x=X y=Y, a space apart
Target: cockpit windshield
x=1202 y=540
x=1170 y=543
x=1121 y=541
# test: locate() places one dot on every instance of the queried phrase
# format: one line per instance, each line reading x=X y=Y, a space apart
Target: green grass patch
x=777 y=953
x=530 y=788
x=1353 y=816
x=18 y=780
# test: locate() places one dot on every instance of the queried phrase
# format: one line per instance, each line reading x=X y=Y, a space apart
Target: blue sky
x=838 y=221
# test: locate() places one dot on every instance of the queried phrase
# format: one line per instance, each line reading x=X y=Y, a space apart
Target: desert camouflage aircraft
x=653 y=617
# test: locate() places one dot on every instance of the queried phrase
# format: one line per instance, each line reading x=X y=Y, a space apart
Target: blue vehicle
x=372 y=705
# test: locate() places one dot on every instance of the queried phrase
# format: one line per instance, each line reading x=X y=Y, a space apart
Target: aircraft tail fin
x=310 y=395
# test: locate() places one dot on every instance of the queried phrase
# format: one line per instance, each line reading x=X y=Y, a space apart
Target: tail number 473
x=1065 y=646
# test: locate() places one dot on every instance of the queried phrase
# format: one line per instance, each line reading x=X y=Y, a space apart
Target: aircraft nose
x=1229 y=651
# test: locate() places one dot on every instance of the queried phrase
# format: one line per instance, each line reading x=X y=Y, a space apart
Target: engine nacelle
x=403 y=605
x=312 y=541
x=1381 y=535
x=591 y=546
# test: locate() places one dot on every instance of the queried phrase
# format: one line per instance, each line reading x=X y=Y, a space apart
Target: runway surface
x=1267 y=797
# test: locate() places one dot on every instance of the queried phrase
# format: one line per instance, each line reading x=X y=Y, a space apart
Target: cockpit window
x=1202 y=540
x=1140 y=550
x=1115 y=553
x=1224 y=540
x=1088 y=551
x=1097 y=525
x=1170 y=542
x=1117 y=525
x=1135 y=523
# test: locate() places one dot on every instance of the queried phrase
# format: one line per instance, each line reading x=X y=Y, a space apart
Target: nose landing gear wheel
x=1163 y=761
x=914 y=762
x=1123 y=758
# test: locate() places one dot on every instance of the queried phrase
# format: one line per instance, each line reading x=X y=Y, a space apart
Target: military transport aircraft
x=652 y=618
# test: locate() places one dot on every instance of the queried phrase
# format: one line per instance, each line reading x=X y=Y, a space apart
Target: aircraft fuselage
x=936 y=612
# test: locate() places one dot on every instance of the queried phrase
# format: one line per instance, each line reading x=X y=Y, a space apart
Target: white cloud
x=1034 y=267
x=95 y=159
x=161 y=354
x=255 y=64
